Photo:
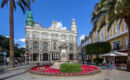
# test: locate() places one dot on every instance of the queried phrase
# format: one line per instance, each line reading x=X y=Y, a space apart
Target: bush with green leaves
x=70 y=68
x=98 y=60
x=98 y=48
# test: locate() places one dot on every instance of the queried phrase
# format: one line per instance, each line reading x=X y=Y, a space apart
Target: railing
x=120 y=47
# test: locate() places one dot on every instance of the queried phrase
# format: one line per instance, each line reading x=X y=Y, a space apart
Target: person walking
x=111 y=66
x=104 y=64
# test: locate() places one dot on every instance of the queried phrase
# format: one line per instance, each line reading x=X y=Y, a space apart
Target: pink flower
x=64 y=74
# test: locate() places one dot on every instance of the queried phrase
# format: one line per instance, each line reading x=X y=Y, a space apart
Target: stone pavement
x=21 y=74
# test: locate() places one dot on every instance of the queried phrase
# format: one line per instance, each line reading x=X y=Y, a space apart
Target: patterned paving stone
x=21 y=74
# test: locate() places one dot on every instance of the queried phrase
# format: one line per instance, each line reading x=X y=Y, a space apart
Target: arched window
x=71 y=47
x=56 y=36
x=35 y=45
x=71 y=38
x=44 y=35
x=44 y=46
x=27 y=45
x=54 y=45
x=63 y=37
x=52 y=36
x=35 y=35
x=55 y=56
x=28 y=35
x=71 y=56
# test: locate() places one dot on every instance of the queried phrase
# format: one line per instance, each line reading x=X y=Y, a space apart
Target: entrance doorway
x=35 y=56
x=71 y=56
x=45 y=57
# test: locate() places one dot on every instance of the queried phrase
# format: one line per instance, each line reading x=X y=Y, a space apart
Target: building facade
x=117 y=36
x=50 y=44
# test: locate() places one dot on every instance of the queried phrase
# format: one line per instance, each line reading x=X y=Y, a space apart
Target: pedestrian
x=104 y=64
x=16 y=61
x=111 y=66
x=7 y=60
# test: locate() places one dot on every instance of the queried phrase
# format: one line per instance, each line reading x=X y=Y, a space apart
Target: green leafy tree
x=24 y=4
x=4 y=43
x=108 y=12
x=98 y=48
x=18 y=52
x=4 y=47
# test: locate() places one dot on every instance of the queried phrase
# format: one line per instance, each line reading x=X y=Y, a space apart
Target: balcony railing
x=120 y=47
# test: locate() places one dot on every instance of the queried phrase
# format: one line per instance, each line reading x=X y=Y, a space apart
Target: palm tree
x=108 y=12
x=24 y=4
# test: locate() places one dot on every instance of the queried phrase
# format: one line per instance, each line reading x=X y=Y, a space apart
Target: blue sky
x=45 y=11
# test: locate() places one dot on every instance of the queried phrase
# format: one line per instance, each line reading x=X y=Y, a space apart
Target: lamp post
x=4 y=53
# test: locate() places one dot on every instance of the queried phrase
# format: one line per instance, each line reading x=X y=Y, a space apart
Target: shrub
x=70 y=68
x=98 y=61
x=98 y=48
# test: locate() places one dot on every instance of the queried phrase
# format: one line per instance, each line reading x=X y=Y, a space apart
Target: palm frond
x=4 y=2
x=22 y=7
x=14 y=5
x=25 y=4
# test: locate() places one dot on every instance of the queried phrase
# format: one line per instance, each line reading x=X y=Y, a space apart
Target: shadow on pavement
x=12 y=76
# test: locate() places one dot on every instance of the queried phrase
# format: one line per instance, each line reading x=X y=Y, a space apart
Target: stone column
x=50 y=57
x=25 y=57
x=29 y=56
x=39 y=57
x=32 y=56
x=68 y=57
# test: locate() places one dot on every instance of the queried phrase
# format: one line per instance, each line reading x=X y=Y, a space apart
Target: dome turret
x=29 y=19
x=73 y=26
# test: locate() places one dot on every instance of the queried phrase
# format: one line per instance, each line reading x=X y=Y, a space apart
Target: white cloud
x=82 y=37
x=7 y=36
x=24 y=46
x=59 y=25
x=20 y=40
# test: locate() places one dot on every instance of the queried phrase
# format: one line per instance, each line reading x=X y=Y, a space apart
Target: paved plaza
x=21 y=74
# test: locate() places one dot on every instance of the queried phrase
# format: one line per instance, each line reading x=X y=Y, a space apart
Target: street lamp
x=4 y=53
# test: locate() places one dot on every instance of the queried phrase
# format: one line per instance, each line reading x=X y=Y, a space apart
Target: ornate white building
x=50 y=44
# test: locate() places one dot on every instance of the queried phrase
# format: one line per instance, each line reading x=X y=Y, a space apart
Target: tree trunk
x=11 y=42
x=127 y=20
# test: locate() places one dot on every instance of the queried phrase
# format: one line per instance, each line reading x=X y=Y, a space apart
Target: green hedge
x=98 y=48
x=98 y=60
x=70 y=67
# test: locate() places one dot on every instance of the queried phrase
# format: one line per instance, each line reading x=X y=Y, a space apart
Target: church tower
x=73 y=26
x=29 y=20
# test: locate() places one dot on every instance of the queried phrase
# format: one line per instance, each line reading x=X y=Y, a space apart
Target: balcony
x=120 y=47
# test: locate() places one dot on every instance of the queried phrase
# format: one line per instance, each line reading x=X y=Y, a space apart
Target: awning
x=108 y=54
x=120 y=53
x=114 y=53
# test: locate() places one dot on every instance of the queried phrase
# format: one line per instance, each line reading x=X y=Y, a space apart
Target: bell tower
x=29 y=20
x=73 y=26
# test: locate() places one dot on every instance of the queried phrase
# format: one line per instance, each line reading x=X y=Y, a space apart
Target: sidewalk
x=18 y=70
x=19 y=73
x=5 y=68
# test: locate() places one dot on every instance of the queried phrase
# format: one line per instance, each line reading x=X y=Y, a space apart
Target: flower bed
x=47 y=70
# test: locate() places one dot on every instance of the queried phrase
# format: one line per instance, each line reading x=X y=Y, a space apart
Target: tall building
x=117 y=36
x=50 y=44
